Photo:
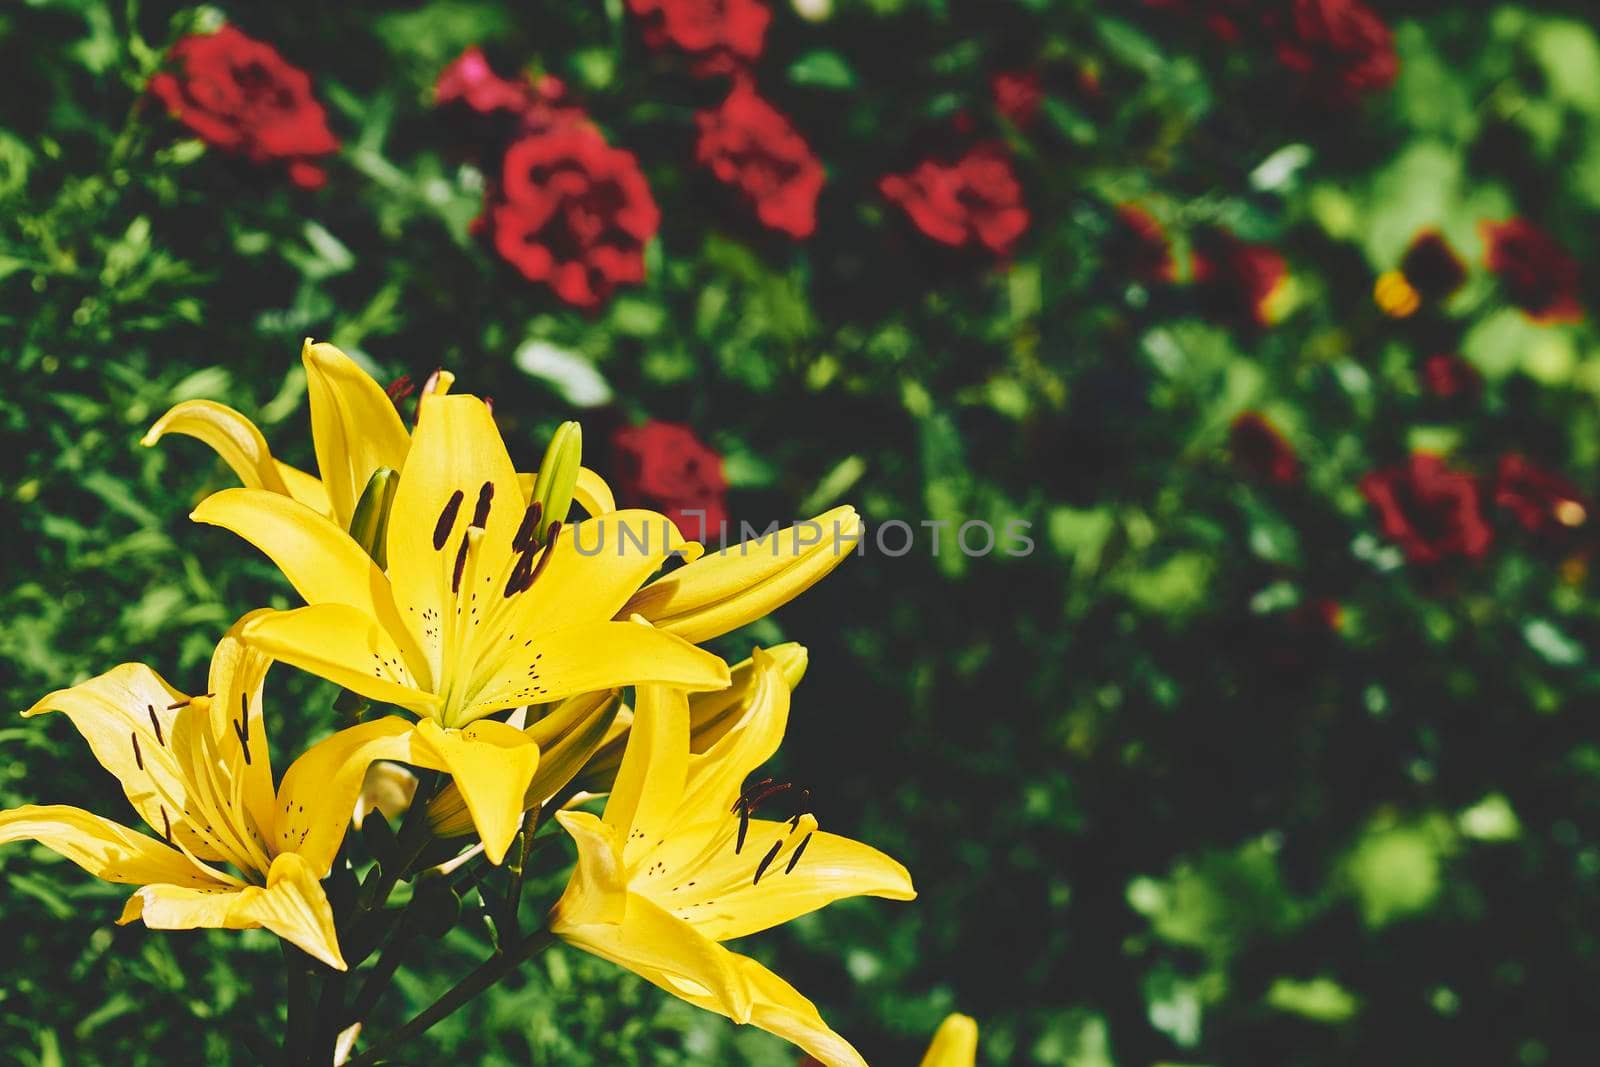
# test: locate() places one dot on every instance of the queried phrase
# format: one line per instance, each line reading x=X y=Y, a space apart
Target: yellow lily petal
x=291 y=905
x=386 y=788
x=955 y=1044
x=716 y=776
x=321 y=560
x=458 y=471
x=592 y=494
x=231 y=435
x=306 y=488
x=345 y=646
x=595 y=566
x=566 y=738
x=740 y=584
x=238 y=673
x=666 y=951
x=319 y=789
x=597 y=655
x=354 y=426
x=727 y=902
x=597 y=892
x=650 y=781
x=126 y=715
x=778 y=1008
x=107 y=850
x=493 y=764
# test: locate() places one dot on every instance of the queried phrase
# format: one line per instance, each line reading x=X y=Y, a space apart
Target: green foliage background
x=1141 y=833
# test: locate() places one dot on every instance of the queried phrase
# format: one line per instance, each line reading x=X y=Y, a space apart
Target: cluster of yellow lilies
x=440 y=581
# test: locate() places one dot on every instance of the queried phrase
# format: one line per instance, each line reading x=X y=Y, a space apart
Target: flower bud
x=553 y=486
x=369 y=525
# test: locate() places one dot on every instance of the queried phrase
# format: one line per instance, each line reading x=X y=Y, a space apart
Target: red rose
x=1261 y=450
x=1537 y=273
x=1543 y=502
x=1139 y=247
x=1340 y=48
x=1237 y=279
x=1448 y=376
x=573 y=212
x=238 y=94
x=1429 y=510
x=720 y=36
x=1222 y=17
x=1018 y=95
x=665 y=466
x=748 y=144
x=974 y=200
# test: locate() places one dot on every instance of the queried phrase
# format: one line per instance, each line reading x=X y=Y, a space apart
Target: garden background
x=1279 y=747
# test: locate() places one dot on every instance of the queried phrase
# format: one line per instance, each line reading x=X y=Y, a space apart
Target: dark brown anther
x=447 y=520
x=138 y=757
x=766 y=861
x=400 y=388
x=794 y=823
x=744 y=798
x=243 y=732
x=166 y=825
x=794 y=859
x=543 y=561
x=180 y=704
x=480 y=513
x=461 y=564
x=521 y=572
x=155 y=723
x=528 y=530
x=744 y=828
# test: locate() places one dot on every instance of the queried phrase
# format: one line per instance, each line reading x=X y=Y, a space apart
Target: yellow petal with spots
x=650 y=782
x=493 y=765
x=345 y=646
x=105 y=849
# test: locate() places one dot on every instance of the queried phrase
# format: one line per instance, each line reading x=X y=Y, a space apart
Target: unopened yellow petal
x=319 y=789
x=126 y=715
x=345 y=646
x=354 y=426
x=955 y=1044
x=386 y=788
x=663 y=949
x=650 y=782
x=231 y=435
x=493 y=765
x=105 y=849
x=727 y=589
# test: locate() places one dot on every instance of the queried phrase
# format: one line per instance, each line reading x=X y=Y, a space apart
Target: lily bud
x=566 y=737
x=724 y=590
x=369 y=526
x=387 y=789
x=553 y=486
x=711 y=715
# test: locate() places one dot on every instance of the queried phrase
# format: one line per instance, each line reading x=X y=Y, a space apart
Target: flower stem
x=487 y=974
x=302 y=1014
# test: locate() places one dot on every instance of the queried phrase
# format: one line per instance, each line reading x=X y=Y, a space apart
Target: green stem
x=297 y=979
x=487 y=974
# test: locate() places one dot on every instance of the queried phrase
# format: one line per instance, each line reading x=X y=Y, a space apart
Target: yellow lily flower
x=670 y=871
x=471 y=617
x=355 y=430
x=955 y=1043
x=235 y=853
x=744 y=582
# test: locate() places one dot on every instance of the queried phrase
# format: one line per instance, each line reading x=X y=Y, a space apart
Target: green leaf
x=822 y=68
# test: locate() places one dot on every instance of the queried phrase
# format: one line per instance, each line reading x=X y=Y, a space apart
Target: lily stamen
x=447 y=520
x=794 y=859
x=156 y=723
x=766 y=861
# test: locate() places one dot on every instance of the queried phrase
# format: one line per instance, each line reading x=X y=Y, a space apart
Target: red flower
x=1429 y=510
x=1448 y=376
x=1538 y=275
x=574 y=213
x=974 y=200
x=1261 y=450
x=1238 y=280
x=1543 y=502
x=1140 y=248
x=1018 y=95
x=238 y=94
x=1222 y=17
x=1340 y=48
x=472 y=82
x=721 y=36
x=664 y=465
x=750 y=145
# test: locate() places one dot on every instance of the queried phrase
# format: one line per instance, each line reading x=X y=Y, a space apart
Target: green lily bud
x=369 y=526
x=556 y=480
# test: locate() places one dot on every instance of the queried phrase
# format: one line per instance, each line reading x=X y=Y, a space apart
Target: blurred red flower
x=1537 y=273
x=1541 y=501
x=1238 y=279
x=750 y=145
x=1140 y=248
x=1431 y=511
x=472 y=82
x=238 y=94
x=1341 y=49
x=1261 y=450
x=1448 y=376
x=720 y=36
x=574 y=213
x=976 y=199
x=1018 y=95
x=665 y=466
